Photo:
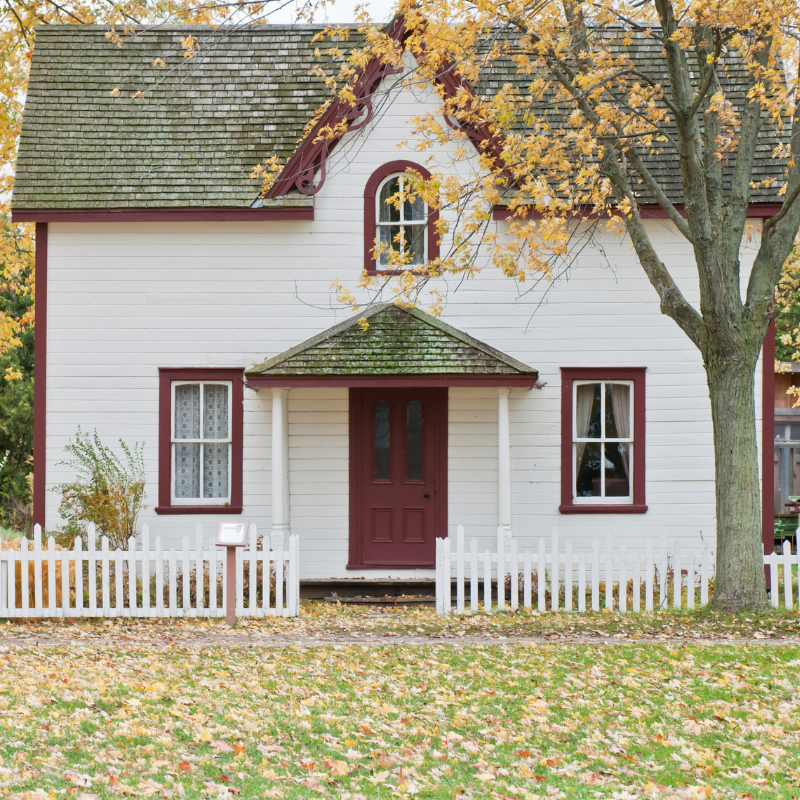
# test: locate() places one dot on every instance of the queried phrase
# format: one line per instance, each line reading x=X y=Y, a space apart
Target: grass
x=521 y=721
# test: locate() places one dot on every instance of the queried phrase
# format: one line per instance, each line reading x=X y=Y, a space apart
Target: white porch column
x=503 y=462
x=280 y=463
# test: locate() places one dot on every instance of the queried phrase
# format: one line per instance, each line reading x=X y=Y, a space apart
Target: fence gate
x=146 y=580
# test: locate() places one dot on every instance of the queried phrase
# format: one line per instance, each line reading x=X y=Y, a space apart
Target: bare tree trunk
x=740 y=568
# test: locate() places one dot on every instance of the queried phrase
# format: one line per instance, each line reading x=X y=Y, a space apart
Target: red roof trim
x=386 y=381
x=754 y=210
x=163 y=214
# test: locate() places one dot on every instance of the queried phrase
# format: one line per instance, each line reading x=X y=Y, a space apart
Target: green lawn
x=521 y=721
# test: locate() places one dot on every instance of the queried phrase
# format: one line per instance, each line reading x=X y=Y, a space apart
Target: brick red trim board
x=163 y=214
x=165 y=377
x=40 y=378
x=476 y=379
x=370 y=191
x=754 y=211
x=768 y=444
x=635 y=374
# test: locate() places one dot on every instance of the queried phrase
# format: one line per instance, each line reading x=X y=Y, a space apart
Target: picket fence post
x=788 y=594
x=474 y=584
x=460 y=569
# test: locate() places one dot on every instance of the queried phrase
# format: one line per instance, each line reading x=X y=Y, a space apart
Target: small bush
x=10 y=534
x=108 y=491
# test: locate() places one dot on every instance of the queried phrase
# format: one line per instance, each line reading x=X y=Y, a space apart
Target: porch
x=393 y=415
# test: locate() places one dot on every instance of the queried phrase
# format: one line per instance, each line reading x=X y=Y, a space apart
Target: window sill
x=198 y=509
x=603 y=509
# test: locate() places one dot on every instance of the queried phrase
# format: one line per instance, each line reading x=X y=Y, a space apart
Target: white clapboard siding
x=127 y=298
x=617 y=570
x=144 y=582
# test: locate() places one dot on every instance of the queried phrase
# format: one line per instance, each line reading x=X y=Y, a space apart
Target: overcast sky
x=338 y=11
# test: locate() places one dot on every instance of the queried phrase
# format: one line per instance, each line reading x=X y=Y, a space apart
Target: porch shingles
x=395 y=341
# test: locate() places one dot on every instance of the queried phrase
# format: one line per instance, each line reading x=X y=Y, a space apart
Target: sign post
x=231 y=535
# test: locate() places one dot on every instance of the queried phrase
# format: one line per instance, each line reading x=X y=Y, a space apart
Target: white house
x=177 y=310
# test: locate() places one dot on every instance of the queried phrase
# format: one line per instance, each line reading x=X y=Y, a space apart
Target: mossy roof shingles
x=396 y=341
x=192 y=140
x=205 y=122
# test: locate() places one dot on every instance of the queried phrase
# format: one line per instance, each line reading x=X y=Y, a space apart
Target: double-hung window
x=602 y=440
x=200 y=441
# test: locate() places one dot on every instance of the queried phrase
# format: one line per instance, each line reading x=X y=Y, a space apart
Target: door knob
x=426 y=496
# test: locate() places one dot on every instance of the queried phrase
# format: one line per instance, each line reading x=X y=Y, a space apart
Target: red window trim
x=568 y=376
x=370 y=192
x=166 y=375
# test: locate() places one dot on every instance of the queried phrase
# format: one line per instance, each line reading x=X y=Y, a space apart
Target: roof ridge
x=93 y=27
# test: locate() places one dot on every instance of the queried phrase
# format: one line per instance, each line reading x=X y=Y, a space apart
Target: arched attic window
x=411 y=228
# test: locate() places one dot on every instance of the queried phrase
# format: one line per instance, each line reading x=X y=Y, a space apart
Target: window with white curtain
x=602 y=441
x=201 y=442
x=401 y=227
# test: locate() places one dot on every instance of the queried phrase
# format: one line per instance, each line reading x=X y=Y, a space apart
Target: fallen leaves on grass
x=514 y=721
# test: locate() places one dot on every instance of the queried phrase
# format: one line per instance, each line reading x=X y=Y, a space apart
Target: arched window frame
x=371 y=195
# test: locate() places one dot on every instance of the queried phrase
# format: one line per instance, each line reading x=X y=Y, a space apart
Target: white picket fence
x=144 y=580
x=564 y=570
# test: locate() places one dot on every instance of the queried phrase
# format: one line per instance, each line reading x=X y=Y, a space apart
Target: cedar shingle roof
x=205 y=122
x=396 y=342
x=194 y=138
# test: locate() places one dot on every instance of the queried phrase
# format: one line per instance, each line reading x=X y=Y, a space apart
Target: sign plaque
x=232 y=534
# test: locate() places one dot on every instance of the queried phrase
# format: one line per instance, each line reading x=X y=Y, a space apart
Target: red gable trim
x=163 y=214
x=309 y=159
x=754 y=211
x=305 y=170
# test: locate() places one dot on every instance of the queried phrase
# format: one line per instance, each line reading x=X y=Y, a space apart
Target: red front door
x=398 y=476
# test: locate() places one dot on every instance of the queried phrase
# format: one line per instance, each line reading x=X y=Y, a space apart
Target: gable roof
x=191 y=141
x=397 y=341
x=205 y=122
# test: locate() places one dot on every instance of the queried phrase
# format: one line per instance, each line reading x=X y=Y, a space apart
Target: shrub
x=108 y=491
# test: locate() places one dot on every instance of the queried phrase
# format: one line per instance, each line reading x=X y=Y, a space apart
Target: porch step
x=385 y=600
x=320 y=589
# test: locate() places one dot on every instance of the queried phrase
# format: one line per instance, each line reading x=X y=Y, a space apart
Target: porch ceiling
x=398 y=347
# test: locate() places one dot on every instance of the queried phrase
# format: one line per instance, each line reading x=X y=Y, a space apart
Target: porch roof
x=399 y=346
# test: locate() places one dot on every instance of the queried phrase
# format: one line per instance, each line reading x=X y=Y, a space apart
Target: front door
x=398 y=476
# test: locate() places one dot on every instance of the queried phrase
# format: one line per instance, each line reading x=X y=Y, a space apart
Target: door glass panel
x=414 y=441
x=381 y=441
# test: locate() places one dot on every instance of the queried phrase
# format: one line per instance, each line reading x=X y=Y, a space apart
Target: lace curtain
x=187 y=454
x=201 y=414
x=215 y=426
x=621 y=403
